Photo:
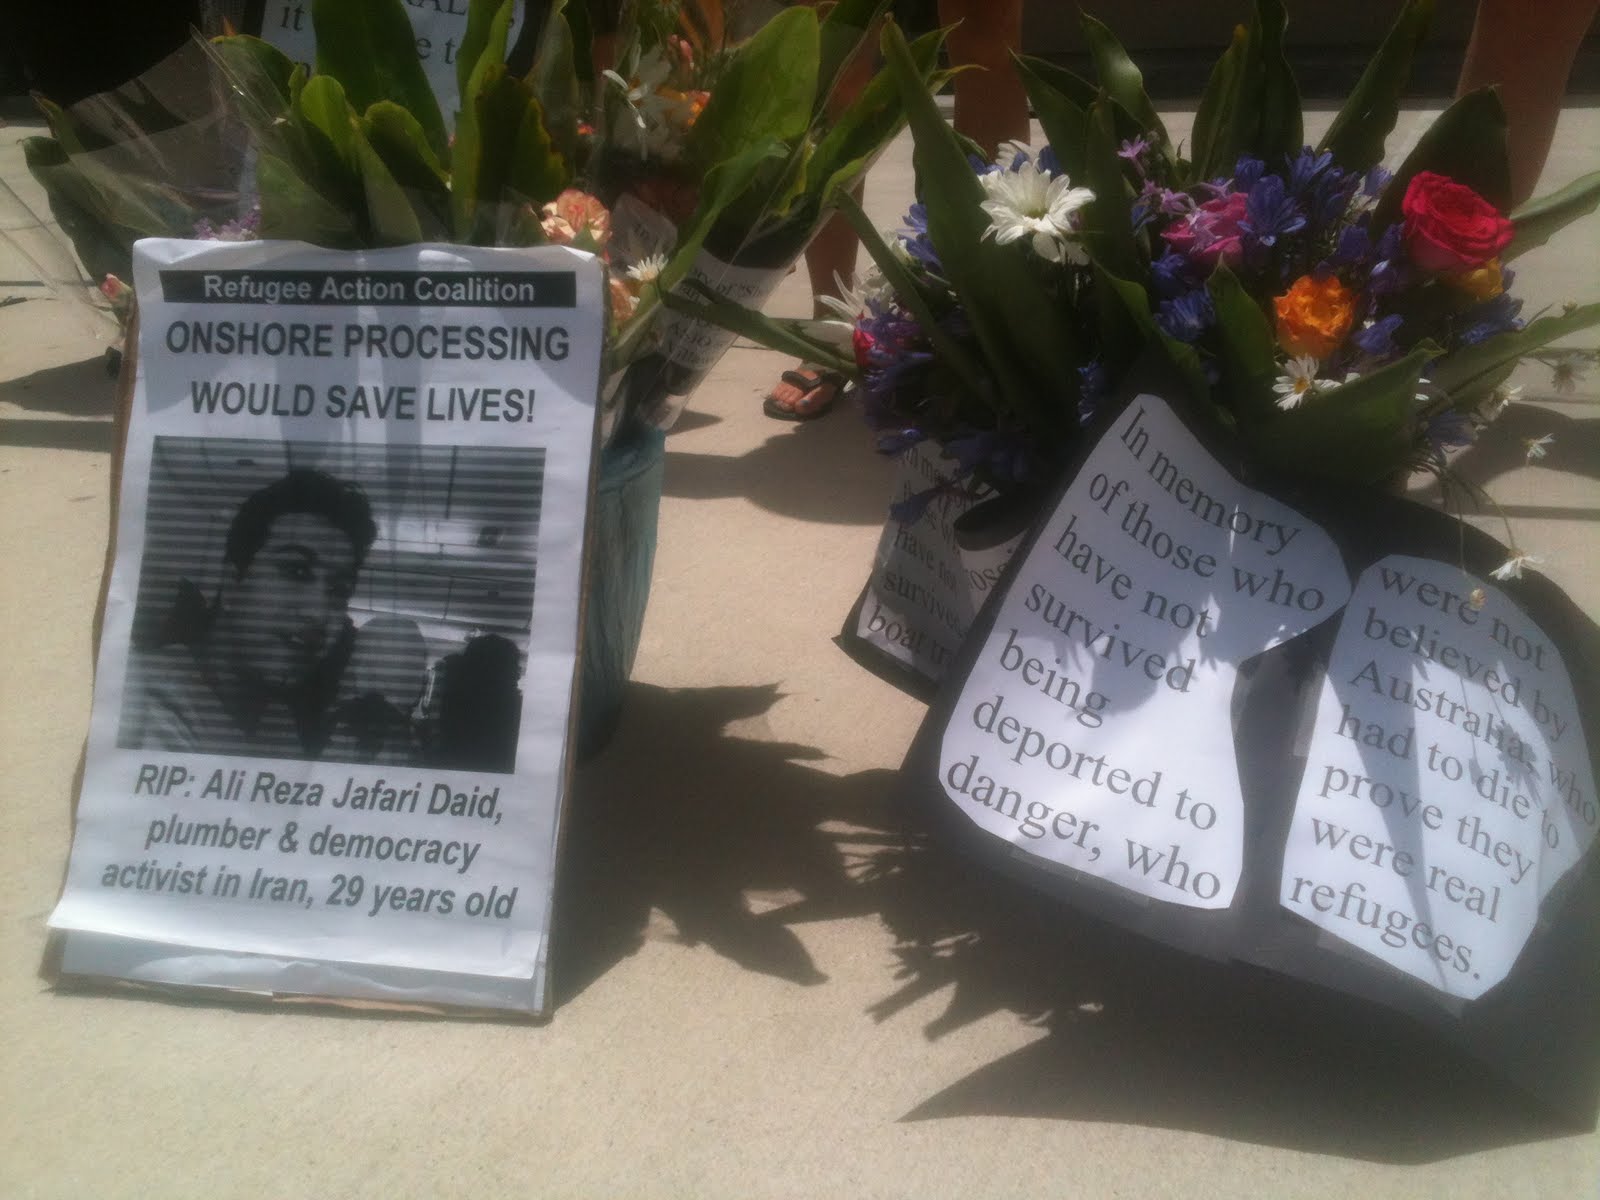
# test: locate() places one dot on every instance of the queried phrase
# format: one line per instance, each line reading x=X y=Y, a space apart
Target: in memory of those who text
x=1094 y=730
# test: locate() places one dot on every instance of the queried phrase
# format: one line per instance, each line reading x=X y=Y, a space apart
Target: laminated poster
x=328 y=747
x=1308 y=731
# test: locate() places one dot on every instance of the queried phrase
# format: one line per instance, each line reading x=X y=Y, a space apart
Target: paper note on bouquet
x=1448 y=786
x=1094 y=729
x=328 y=749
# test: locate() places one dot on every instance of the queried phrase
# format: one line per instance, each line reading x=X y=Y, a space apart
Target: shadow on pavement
x=80 y=389
x=681 y=817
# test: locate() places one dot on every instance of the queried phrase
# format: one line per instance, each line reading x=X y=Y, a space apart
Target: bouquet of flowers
x=1340 y=320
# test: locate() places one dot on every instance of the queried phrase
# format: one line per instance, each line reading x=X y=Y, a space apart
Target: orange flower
x=1481 y=283
x=623 y=302
x=576 y=217
x=1314 y=316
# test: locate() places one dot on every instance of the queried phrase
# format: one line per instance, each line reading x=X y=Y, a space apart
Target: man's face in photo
x=288 y=605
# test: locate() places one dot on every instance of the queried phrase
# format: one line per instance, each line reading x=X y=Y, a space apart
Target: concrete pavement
x=764 y=989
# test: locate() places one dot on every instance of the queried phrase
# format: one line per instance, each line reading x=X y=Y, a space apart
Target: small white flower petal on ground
x=1512 y=567
x=1536 y=446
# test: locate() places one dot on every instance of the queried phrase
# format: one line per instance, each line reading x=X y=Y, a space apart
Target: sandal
x=818 y=390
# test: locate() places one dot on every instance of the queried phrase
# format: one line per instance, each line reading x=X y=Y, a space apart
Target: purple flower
x=1377 y=339
x=1212 y=233
x=1187 y=317
x=1247 y=171
x=1489 y=319
x=1447 y=430
x=1353 y=248
x=1271 y=212
x=1170 y=275
x=914 y=237
x=1307 y=165
x=1374 y=181
x=1093 y=383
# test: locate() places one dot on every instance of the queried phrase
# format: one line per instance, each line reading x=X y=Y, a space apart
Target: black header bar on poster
x=383 y=289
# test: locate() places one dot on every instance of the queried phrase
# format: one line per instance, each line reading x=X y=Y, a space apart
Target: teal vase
x=627 y=507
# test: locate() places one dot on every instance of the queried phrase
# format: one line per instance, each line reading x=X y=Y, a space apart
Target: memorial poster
x=328 y=747
x=1312 y=729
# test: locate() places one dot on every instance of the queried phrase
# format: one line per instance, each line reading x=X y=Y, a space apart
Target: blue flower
x=1246 y=172
x=1447 y=430
x=1484 y=321
x=1188 y=316
x=1093 y=382
x=1307 y=165
x=914 y=237
x=1378 y=338
x=1170 y=275
x=1270 y=212
x=1374 y=181
x=1047 y=161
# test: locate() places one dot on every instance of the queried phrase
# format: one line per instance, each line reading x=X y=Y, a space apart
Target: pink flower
x=576 y=217
x=114 y=290
x=1211 y=233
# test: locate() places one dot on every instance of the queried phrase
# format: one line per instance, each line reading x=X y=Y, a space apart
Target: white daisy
x=1299 y=380
x=1028 y=202
x=1512 y=567
x=648 y=269
x=851 y=302
x=1536 y=446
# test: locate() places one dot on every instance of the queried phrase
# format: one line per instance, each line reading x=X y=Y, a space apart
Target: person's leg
x=1529 y=55
x=804 y=391
x=991 y=105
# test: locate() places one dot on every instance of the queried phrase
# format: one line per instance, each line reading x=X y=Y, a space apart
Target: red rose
x=1449 y=227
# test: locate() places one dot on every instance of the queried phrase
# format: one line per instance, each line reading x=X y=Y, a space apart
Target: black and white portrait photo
x=337 y=602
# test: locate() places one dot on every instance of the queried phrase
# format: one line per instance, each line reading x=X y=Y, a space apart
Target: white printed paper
x=1094 y=729
x=1448 y=785
x=698 y=345
x=439 y=26
x=334 y=682
x=925 y=587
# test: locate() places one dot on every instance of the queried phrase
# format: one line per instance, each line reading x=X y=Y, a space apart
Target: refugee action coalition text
x=1094 y=730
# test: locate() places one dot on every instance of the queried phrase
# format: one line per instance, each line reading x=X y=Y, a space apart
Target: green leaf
x=1540 y=219
x=397 y=138
x=1123 y=81
x=1107 y=219
x=258 y=74
x=515 y=162
x=765 y=91
x=1278 y=129
x=555 y=81
x=390 y=218
x=1212 y=148
x=1026 y=335
x=1246 y=347
x=1464 y=367
x=369 y=47
x=291 y=208
x=839 y=38
x=488 y=30
x=1359 y=132
x=787 y=337
x=1468 y=144
x=1361 y=432
x=1061 y=112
